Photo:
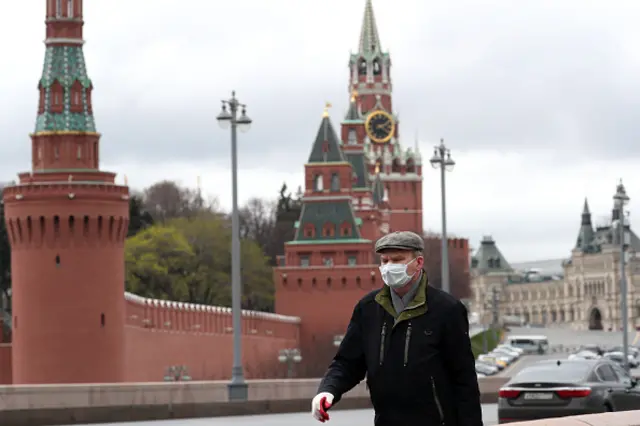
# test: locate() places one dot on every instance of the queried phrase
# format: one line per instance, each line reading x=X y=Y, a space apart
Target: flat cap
x=400 y=240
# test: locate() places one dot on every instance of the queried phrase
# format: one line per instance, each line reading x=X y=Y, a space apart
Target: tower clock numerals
x=380 y=126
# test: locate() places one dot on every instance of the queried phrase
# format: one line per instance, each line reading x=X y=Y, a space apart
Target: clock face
x=380 y=126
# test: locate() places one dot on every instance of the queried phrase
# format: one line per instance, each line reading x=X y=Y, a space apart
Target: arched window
x=352 y=138
x=70 y=11
x=362 y=67
x=395 y=166
x=309 y=231
x=328 y=230
x=318 y=184
x=58 y=8
x=335 y=182
x=377 y=69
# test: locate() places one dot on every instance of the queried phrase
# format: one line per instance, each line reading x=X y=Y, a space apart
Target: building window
x=318 y=184
x=56 y=152
x=327 y=261
x=56 y=98
x=70 y=8
x=335 y=182
x=76 y=98
x=496 y=262
x=345 y=230
x=58 y=8
x=352 y=137
x=490 y=263
x=352 y=261
x=79 y=152
x=304 y=261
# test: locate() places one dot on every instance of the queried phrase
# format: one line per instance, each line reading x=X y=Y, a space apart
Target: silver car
x=567 y=388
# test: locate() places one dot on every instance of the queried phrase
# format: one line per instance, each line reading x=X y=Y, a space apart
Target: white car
x=519 y=351
x=584 y=355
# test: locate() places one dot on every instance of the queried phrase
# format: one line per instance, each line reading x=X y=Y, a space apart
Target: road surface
x=338 y=418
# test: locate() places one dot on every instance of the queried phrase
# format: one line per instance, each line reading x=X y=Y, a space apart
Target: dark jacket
x=419 y=365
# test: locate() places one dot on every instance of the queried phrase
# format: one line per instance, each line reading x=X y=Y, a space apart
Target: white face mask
x=395 y=274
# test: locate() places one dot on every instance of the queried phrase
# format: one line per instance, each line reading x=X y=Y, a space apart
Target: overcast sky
x=538 y=99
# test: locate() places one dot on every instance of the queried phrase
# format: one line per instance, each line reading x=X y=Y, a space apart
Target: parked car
x=566 y=388
x=618 y=357
x=597 y=349
x=519 y=351
x=488 y=359
x=486 y=369
x=585 y=355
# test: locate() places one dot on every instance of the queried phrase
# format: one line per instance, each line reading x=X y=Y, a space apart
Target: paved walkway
x=338 y=418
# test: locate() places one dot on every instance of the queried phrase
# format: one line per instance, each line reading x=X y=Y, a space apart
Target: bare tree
x=257 y=222
x=168 y=200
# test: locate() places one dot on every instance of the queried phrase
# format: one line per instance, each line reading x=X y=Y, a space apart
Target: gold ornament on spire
x=354 y=95
x=327 y=105
x=377 y=168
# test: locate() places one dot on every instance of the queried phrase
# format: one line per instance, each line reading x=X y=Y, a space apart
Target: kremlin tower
x=67 y=221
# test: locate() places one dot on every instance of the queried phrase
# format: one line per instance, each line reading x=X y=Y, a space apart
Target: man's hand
x=320 y=406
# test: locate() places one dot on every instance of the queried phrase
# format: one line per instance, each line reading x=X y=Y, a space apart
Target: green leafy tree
x=158 y=264
x=189 y=260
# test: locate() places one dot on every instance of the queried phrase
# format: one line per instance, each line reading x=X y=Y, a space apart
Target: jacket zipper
x=383 y=336
x=407 y=340
x=437 y=400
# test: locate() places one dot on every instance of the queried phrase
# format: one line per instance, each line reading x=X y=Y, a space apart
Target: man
x=411 y=341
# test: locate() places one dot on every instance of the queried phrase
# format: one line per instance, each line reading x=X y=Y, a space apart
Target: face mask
x=395 y=274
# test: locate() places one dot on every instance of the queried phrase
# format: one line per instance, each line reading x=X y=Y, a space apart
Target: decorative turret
x=67 y=223
x=586 y=233
x=488 y=258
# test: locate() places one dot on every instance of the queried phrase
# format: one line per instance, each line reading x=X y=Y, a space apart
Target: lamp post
x=621 y=199
x=442 y=159
x=290 y=357
x=228 y=117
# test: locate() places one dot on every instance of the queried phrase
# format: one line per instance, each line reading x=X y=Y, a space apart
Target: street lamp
x=442 y=159
x=290 y=357
x=228 y=117
x=621 y=199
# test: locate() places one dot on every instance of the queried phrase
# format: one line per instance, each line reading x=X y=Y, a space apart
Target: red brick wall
x=5 y=364
x=161 y=334
x=459 y=273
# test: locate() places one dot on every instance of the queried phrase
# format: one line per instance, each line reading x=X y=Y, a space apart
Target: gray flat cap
x=401 y=240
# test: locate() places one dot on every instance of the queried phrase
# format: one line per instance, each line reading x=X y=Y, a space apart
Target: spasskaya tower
x=371 y=127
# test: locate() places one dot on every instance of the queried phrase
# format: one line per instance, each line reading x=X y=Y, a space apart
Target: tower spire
x=65 y=136
x=369 y=37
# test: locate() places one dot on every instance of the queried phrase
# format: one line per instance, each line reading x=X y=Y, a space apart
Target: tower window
x=76 y=98
x=304 y=261
x=352 y=138
x=327 y=261
x=70 y=8
x=377 y=69
x=79 y=152
x=318 y=184
x=352 y=261
x=328 y=230
x=309 y=231
x=362 y=67
x=56 y=98
x=58 y=8
x=56 y=152
x=335 y=182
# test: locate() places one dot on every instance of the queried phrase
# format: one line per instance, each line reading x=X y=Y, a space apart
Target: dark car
x=567 y=388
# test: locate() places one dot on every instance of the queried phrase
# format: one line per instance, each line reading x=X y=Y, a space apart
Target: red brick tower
x=372 y=128
x=67 y=222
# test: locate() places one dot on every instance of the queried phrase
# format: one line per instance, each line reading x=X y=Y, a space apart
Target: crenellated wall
x=160 y=334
